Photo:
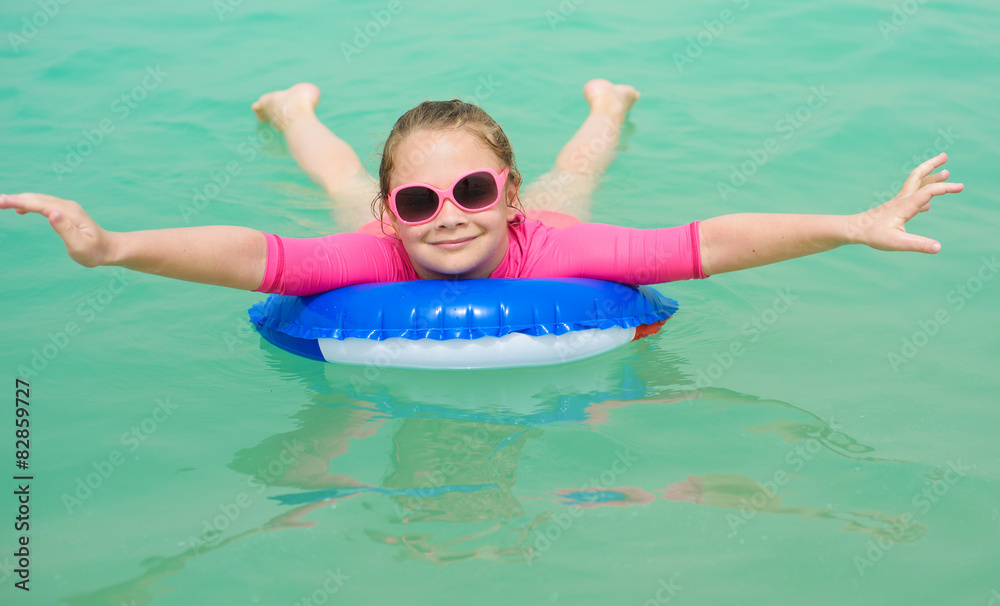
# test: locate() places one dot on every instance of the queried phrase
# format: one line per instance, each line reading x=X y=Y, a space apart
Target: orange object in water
x=644 y=330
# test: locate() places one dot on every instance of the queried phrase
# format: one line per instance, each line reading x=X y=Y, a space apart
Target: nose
x=451 y=215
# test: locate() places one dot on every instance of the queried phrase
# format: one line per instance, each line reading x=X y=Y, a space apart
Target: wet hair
x=438 y=115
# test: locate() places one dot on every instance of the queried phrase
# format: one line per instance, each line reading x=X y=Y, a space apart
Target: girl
x=447 y=206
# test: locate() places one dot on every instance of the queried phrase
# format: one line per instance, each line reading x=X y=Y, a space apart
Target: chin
x=457 y=264
x=452 y=265
x=455 y=271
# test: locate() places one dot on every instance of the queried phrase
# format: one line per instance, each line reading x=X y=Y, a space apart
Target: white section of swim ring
x=508 y=351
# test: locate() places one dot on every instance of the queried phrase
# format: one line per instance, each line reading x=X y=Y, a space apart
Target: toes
x=596 y=83
x=594 y=88
x=606 y=97
x=628 y=94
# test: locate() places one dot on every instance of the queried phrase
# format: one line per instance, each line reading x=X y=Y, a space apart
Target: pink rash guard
x=561 y=247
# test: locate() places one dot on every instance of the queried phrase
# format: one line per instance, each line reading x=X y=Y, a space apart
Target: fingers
x=86 y=242
x=925 y=193
x=65 y=216
x=42 y=204
x=915 y=243
x=22 y=203
x=28 y=202
x=927 y=166
x=915 y=179
x=935 y=178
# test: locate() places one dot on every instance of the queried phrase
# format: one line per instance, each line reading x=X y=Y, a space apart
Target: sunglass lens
x=416 y=204
x=476 y=191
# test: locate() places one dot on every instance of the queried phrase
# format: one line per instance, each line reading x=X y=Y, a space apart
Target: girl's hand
x=86 y=242
x=884 y=227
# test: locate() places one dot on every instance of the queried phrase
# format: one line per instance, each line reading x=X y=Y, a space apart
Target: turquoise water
x=815 y=467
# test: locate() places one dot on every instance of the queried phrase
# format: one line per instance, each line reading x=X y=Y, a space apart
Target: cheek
x=409 y=235
x=415 y=237
x=500 y=214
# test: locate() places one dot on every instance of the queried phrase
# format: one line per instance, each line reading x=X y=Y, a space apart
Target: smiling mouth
x=457 y=243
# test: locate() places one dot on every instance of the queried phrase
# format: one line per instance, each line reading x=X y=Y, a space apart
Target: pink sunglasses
x=419 y=203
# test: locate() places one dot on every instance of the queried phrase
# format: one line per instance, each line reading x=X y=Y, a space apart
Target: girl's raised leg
x=327 y=159
x=568 y=186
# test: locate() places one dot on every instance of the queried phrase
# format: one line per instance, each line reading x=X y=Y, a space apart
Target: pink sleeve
x=621 y=254
x=306 y=266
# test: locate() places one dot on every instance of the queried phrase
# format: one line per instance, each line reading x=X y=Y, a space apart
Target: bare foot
x=280 y=107
x=614 y=100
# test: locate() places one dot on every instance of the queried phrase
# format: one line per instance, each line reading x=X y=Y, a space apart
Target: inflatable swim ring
x=489 y=323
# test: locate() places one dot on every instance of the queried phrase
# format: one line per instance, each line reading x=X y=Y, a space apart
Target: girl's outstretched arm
x=222 y=255
x=734 y=242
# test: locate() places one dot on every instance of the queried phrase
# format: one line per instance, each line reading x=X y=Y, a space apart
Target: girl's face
x=455 y=244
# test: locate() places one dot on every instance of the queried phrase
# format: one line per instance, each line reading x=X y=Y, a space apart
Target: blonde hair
x=437 y=115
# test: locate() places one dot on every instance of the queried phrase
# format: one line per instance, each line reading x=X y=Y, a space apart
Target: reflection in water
x=457 y=440
x=456 y=452
x=835 y=441
x=598 y=497
x=750 y=498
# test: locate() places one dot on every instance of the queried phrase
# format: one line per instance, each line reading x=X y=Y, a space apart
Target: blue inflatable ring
x=488 y=323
